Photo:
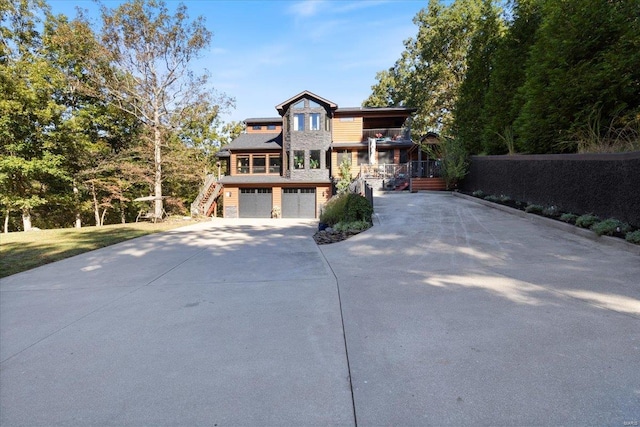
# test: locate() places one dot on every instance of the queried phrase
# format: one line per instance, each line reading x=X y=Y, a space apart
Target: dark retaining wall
x=607 y=185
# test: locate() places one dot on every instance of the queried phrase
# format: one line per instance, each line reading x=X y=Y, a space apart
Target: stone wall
x=607 y=185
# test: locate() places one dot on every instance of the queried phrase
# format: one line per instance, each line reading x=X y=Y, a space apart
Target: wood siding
x=264 y=129
x=347 y=131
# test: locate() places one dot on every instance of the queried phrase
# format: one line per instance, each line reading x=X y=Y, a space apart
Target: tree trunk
x=26 y=219
x=157 y=144
x=78 y=220
x=104 y=212
x=6 y=221
x=96 y=208
x=123 y=218
x=75 y=195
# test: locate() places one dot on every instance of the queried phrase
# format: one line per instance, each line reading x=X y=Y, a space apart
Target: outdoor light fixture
x=227 y=194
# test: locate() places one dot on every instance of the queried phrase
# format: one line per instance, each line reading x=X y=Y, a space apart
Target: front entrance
x=255 y=203
x=298 y=202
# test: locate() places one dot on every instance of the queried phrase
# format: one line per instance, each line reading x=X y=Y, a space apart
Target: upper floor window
x=298 y=105
x=298 y=122
x=298 y=159
x=259 y=164
x=271 y=127
x=257 y=128
x=363 y=157
x=274 y=164
x=313 y=104
x=314 y=121
x=314 y=159
x=243 y=164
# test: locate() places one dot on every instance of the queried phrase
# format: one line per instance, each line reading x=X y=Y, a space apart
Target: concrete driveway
x=445 y=313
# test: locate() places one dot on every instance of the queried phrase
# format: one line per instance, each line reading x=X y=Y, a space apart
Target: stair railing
x=197 y=203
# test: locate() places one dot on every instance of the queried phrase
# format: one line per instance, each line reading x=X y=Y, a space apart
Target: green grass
x=23 y=251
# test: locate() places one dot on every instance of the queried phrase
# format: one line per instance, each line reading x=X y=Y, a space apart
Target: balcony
x=387 y=134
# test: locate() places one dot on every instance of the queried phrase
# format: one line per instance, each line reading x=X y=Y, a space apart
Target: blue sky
x=264 y=52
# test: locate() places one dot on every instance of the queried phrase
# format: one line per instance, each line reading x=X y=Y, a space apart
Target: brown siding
x=276 y=197
x=264 y=129
x=347 y=131
x=323 y=194
x=335 y=166
x=230 y=199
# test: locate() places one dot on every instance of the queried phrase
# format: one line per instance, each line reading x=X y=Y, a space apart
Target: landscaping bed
x=601 y=227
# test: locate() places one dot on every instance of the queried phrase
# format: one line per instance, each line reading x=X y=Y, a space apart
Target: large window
x=314 y=121
x=259 y=164
x=274 y=164
x=314 y=159
x=298 y=122
x=385 y=157
x=298 y=159
x=271 y=127
x=243 y=164
x=298 y=105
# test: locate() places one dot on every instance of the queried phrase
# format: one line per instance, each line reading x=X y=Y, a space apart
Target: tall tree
x=585 y=62
x=144 y=68
x=432 y=66
x=469 y=120
x=502 y=103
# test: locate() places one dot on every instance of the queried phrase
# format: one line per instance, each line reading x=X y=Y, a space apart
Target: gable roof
x=282 y=107
x=256 y=141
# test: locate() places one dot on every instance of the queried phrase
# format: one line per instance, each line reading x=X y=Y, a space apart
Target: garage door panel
x=255 y=203
x=298 y=202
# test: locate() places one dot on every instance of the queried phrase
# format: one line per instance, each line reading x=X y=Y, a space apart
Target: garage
x=298 y=202
x=255 y=203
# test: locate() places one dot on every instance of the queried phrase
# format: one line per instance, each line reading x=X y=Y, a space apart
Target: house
x=287 y=166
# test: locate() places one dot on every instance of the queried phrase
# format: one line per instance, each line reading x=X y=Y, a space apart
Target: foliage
x=345 y=175
x=478 y=193
x=633 y=237
x=569 y=217
x=468 y=123
x=455 y=161
x=333 y=211
x=587 y=220
x=620 y=135
x=551 y=211
x=432 y=67
x=610 y=226
x=586 y=55
x=352 y=227
x=534 y=209
x=346 y=207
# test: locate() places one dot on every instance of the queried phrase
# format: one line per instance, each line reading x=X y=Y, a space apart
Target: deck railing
x=386 y=134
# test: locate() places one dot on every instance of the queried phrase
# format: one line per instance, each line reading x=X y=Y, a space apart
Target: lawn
x=23 y=251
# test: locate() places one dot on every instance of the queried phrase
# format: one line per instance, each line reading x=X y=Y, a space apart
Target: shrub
x=504 y=199
x=478 y=193
x=551 y=211
x=587 y=220
x=352 y=227
x=347 y=207
x=633 y=237
x=333 y=211
x=492 y=198
x=358 y=208
x=534 y=209
x=569 y=217
x=609 y=227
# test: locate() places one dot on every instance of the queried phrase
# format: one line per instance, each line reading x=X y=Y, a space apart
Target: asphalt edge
x=569 y=228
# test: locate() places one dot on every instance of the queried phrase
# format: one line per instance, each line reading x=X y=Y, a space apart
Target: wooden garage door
x=255 y=203
x=298 y=202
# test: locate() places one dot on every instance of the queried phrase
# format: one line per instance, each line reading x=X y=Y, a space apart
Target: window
x=363 y=157
x=271 y=127
x=298 y=159
x=274 y=164
x=257 y=128
x=243 y=164
x=298 y=105
x=404 y=156
x=259 y=164
x=314 y=159
x=314 y=121
x=298 y=122
x=346 y=119
x=313 y=104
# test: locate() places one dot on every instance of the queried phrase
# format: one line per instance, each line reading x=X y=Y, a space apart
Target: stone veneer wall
x=307 y=140
x=607 y=185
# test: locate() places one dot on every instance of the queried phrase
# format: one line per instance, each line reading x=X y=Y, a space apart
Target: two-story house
x=286 y=165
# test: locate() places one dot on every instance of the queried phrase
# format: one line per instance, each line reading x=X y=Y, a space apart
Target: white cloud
x=306 y=8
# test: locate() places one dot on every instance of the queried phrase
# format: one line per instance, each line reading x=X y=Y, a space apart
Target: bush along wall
x=607 y=185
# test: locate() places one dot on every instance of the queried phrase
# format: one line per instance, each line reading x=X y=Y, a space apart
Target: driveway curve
x=445 y=313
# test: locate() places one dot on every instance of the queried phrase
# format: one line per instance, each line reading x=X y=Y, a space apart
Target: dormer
x=264 y=125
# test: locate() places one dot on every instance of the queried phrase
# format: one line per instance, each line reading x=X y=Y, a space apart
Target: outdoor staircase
x=204 y=205
x=427 y=184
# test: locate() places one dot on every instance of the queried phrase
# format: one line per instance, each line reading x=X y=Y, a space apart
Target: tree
x=502 y=103
x=433 y=65
x=469 y=119
x=31 y=152
x=143 y=68
x=585 y=62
